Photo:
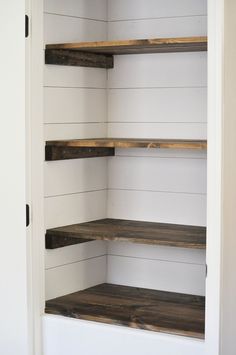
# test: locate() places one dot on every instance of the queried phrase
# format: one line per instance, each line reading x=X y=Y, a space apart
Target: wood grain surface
x=128 y=231
x=159 y=311
x=139 y=46
x=80 y=59
x=65 y=152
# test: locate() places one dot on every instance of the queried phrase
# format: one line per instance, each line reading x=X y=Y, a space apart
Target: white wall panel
x=74 y=253
x=73 y=105
x=171 y=175
x=158 y=28
x=153 y=105
x=72 y=176
x=179 y=208
x=155 y=274
x=159 y=70
x=156 y=252
x=74 y=131
x=95 y=9
x=75 y=77
x=158 y=130
x=75 y=208
x=138 y=9
x=162 y=153
x=70 y=278
x=60 y=29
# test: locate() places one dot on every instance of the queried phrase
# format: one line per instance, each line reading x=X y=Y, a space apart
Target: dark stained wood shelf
x=100 y=54
x=98 y=147
x=159 y=311
x=128 y=231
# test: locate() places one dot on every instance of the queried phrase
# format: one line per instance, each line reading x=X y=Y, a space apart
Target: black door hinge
x=27 y=215
x=26 y=26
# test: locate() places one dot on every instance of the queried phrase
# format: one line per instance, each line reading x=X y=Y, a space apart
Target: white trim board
x=63 y=336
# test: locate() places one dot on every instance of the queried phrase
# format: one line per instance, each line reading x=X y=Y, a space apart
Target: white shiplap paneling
x=170 y=175
x=74 y=131
x=149 y=96
x=179 y=208
x=60 y=29
x=160 y=130
x=75 y=208
x=158 y=28
x=139 y=9
x=75 y=77
x=153 y=105
x=154 y=274
x=162 y=96
x=73 y=105
x=162 y=153
x=95 y=9
x=70 y=278
x=73 y=176
x=74 y=253
x=159 y=70
x=156 y=252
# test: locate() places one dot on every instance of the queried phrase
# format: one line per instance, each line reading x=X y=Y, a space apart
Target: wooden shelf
x=159 y=311
x=90 y=148
x=128 y=231
x=100 y=54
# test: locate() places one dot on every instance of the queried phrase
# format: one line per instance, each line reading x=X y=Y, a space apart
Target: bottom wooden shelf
x=159 y=311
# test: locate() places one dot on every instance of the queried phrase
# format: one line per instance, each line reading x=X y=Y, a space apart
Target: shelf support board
x=53 y=152
x=78 y=58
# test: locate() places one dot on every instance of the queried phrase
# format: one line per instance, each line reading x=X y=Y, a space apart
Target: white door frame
x=35 y=169
x=214 y=174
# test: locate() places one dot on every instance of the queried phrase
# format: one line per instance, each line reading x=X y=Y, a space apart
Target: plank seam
x=76 y=17
x=155 y=18
x=158 y=260
x=75 y=262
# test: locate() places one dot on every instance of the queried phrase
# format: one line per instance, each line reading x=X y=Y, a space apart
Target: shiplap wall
x=73 y=193
x=161 y=95
x=157 y=95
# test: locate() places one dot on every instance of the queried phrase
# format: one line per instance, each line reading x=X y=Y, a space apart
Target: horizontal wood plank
x=159 y=311
x=155 y=45
x=130 y=231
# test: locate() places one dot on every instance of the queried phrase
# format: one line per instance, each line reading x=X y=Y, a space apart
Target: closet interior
x=125 y=118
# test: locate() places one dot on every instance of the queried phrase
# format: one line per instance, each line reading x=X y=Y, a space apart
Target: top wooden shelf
x=90 y=148
x=100 y=54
